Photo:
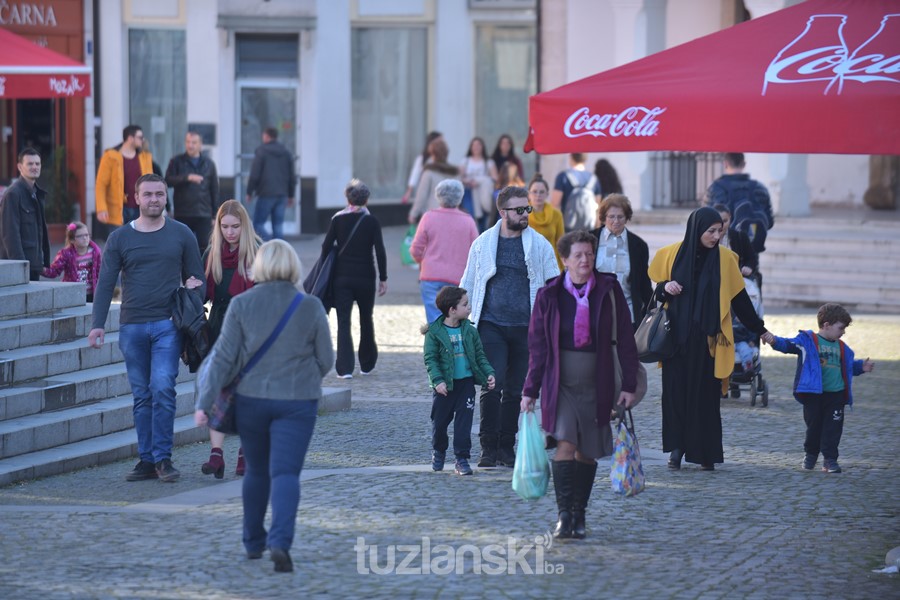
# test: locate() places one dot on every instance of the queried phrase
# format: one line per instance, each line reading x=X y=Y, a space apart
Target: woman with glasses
x=546 y=219
x=624 y=254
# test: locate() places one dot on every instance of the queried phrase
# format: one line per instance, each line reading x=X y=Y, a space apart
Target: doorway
x=264 y=104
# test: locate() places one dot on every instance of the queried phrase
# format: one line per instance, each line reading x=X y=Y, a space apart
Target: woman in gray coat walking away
x=277 y=400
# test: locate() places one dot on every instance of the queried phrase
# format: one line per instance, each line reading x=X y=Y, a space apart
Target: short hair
x=152 y=177
x=616 y=201
x=721 y=208
x=565 y=243
x=276 y=260
x=197 y=133
x=449 y=193
x=833 y=313
x=735 y=159
x=356 y=192
x=448 y=297
x=578 y=157
x=508 y=193
x=538 y=178
x=271 y=132
x=27 y=151
x=129 y=131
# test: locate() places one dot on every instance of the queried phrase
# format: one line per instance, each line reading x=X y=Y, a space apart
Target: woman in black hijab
x=702 y=284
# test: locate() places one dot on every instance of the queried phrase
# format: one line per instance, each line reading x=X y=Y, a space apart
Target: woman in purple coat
x=571 y=364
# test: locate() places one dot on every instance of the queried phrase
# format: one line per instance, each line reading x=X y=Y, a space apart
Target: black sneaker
x=831 y=466
x=166 y=471
x=437 y=460
x=809 y=462
x=462 y=467
x=141 y=471
x=506 y=457
x=488 y=458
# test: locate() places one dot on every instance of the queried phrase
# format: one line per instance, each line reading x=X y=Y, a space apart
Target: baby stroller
x=747 y=364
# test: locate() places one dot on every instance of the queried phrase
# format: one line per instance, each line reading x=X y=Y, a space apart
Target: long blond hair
x=247 y=245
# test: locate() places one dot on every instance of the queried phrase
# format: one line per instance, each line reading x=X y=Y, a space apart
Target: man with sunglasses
x=506 y=267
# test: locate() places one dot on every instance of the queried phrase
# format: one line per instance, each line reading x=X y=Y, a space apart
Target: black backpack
x=748 y=202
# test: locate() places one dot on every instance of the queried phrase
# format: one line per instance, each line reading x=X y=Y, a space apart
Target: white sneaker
x=366 y=372
x=347 y=376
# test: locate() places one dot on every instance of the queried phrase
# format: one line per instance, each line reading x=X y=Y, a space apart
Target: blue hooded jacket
x=808 y=378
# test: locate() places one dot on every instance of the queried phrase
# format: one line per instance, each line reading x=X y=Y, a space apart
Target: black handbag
x=654 y=337
x=319 y=281
x=221 y=416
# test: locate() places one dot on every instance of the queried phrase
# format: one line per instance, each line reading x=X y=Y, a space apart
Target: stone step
x=69 y=389
x=13 y=272
x=864 y=276
x=39 y=362
x=121 y=445
x=39 y=297
x=51 y=429
x=778 y=289
x=838 y=263
x=56 y=326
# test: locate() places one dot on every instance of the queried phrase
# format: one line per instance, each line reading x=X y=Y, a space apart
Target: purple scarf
x=582 y=309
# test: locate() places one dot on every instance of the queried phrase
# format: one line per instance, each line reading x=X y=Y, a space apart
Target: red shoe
x=239 y=470
x=215 y=465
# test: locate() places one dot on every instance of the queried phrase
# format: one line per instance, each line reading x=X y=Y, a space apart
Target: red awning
x=819 y=77
x=30 y=71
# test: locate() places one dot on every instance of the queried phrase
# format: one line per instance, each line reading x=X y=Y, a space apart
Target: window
x=389 y=105
x=158 y=90
x=506 y=75
x=268 y=56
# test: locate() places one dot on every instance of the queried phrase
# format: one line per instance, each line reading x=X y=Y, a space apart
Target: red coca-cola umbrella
x=30 y=71
x=819 y=77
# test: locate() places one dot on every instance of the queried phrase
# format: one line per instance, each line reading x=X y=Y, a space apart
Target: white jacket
x=540 y=260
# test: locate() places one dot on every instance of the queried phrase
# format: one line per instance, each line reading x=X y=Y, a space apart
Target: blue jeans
x=429 y=291
x=270 y=206
x=151 y=352
x=275 y=435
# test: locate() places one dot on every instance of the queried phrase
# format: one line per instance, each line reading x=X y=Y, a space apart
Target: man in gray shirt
x=154 y=255
x=506 y=267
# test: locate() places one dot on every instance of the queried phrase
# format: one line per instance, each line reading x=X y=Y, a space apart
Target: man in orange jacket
x=120 y=168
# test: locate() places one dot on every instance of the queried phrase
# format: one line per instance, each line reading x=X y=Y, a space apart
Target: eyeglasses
x=615 y=217
x=520 y=209
x=83 y=235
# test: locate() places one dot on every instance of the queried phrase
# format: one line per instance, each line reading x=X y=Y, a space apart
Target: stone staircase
x=808 y=261
x=64 y=405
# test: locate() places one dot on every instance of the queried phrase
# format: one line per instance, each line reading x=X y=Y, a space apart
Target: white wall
x=203 y=51
x=113 y=73
x=454 y=77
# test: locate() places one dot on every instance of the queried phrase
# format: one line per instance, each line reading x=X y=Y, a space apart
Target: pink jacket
x=66 y=262
x=442 y=242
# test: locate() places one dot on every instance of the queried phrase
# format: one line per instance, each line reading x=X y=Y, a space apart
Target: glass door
x=267 y=104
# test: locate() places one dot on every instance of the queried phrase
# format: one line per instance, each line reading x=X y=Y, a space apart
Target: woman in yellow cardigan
x=702 y=284
x=545 y=219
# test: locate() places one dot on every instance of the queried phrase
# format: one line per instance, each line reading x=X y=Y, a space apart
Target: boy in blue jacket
x=823 y=382
x=455 y=360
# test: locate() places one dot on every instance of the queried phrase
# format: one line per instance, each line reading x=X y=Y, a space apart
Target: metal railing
x=680 y=179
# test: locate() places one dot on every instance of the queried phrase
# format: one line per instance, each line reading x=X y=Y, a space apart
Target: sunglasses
x=520 y=209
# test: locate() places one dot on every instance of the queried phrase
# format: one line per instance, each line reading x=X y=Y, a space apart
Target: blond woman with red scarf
x=231 y=251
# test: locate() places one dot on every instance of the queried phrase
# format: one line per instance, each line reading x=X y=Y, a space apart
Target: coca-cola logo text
x=633 y=121
x=820 y=53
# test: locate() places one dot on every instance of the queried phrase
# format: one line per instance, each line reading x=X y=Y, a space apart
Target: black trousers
x=360 y=290
x=824 y=417
x=506 y=349
x=458 y=407
x=202 y=228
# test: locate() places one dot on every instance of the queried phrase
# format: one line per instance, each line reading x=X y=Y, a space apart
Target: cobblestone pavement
x=757 y=527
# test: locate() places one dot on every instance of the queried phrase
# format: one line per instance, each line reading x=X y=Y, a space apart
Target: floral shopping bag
x=627 y=473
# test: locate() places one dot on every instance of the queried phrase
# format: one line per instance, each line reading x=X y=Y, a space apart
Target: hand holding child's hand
x=868 y=366
x=441 y=388
x=491 y=382
x=768 y=338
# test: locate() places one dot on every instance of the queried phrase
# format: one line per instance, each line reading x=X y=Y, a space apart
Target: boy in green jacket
x=455 y=360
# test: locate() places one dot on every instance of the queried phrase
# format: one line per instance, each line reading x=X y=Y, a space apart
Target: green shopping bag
x=405 y=257
x=531 y=475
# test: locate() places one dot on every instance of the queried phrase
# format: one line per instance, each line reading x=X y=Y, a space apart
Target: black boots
x=675 y=459
x=563 y=483
x=584 y=482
